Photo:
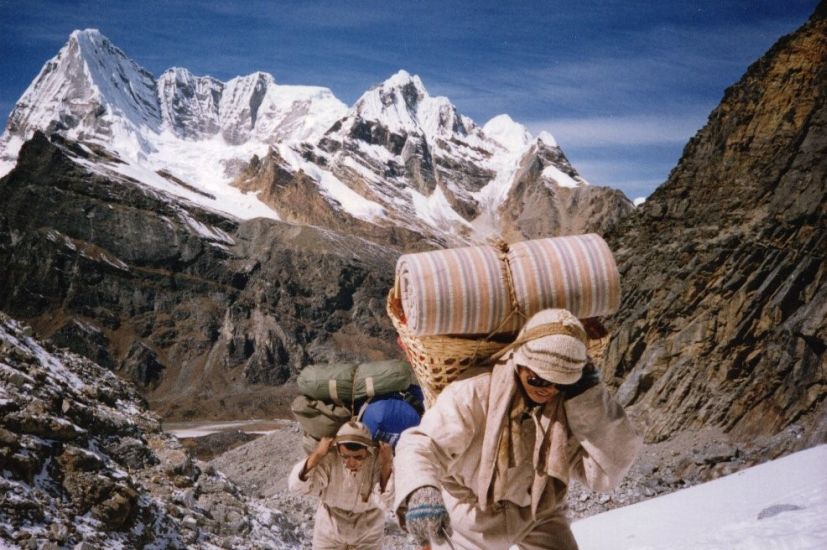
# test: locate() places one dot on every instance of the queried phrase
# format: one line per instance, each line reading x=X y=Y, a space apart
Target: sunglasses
x=534 y=380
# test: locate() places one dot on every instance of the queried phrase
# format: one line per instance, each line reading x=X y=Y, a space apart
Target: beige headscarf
x=553 y=343
x=503 y=439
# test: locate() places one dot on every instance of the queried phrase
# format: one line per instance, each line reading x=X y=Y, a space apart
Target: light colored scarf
x=503 y=442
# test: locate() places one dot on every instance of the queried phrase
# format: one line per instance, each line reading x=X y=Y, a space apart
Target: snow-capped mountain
x=407 y=163
x=89 y=89
x=244 y=108
x=399 y=164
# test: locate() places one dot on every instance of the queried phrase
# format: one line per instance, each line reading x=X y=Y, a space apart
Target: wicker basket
x=439 y=360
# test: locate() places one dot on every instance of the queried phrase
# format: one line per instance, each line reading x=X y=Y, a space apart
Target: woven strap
x=508 y=276
x=334 y=394
x=540 y=331
x=508 y=279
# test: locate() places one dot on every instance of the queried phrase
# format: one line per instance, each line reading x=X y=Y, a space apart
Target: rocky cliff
x=406 y=168
x=85 y=465
x=724 y=314
x=193 y=306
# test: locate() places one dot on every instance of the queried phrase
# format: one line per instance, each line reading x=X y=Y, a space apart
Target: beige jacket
x=455 y=445
x=351 y=506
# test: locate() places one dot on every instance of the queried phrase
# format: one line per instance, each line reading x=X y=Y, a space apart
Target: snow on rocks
x=82 y=462
x=194 y=136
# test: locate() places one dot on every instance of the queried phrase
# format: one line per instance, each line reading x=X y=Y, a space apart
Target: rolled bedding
x=474 y=290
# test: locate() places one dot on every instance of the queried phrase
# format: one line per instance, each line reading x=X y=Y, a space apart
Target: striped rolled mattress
x=473 y=290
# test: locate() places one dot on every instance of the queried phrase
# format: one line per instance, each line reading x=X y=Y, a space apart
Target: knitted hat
x=553 y=345
x=354 y=432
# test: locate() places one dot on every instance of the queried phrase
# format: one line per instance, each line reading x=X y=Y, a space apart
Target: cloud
x=620 y=130
x=661 y=69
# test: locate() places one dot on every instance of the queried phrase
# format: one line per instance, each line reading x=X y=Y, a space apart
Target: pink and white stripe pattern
x=463 y=290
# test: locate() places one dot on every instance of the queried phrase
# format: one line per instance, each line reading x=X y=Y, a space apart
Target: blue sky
x=621 y=84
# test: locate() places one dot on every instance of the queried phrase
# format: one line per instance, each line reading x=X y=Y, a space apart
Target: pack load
x=347 y=383
x=332 y=394
x=388 y=418
x=456 y=308
x=318 y=419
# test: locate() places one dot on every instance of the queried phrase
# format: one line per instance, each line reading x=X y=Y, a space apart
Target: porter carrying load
x=332 y=394
x=456 y=308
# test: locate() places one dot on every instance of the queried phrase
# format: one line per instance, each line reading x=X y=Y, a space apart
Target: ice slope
x=777 y=505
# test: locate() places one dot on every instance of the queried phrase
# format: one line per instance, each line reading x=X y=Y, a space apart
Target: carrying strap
x=514 y=304
x=540 y=331
x=332 y=390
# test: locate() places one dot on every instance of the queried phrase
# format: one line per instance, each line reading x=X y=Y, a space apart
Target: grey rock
x=253 y=310
x=722 y=321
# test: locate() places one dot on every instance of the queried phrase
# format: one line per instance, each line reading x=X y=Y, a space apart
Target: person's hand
x=588 y=379
x=426 y=518
x=317 y=455
x=323 y=447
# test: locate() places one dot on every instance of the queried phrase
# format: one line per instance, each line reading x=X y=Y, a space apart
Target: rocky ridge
x=203 y=312
x=85 y=465
x=399 y=167
x=418 y=167
x=723 y=320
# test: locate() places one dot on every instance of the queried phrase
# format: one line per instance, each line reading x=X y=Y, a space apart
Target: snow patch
x=547 y=139
x=559 y=177
x=511 y=135
x=724 y=514
x=208 y=232
x=435 y=209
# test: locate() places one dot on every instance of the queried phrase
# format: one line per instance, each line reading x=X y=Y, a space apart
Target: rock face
x=724 y=314
x=537 y=206
x=400 y=167
x=86 y=466
x=192 y=306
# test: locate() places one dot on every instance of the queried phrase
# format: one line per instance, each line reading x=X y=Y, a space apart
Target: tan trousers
x=507 y=526
x=337 y=529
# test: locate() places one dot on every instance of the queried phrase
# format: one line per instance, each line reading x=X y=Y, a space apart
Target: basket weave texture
x=439 y=360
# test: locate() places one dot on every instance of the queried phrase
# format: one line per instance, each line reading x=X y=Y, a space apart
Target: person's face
x=353 y=459
x=538 y=389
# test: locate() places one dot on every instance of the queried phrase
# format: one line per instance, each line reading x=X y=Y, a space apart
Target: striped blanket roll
x=464 y=290
x=454 y=291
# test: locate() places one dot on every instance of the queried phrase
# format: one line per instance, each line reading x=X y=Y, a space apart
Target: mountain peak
x=89 y=87
x=547 y=139
x=86 y=34
x=403 y=79
x=91 y=43
x=511 y=135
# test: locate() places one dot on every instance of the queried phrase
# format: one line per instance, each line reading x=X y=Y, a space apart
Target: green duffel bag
x=382 y=377
x=330 y=383
x=317 y=418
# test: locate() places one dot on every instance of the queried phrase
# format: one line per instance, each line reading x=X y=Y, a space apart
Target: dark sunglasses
x=534 y=380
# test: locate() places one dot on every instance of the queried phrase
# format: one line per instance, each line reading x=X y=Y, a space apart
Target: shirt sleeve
x=425 y=451
x=315 y=480
x=608 y=442
x=385 y=498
